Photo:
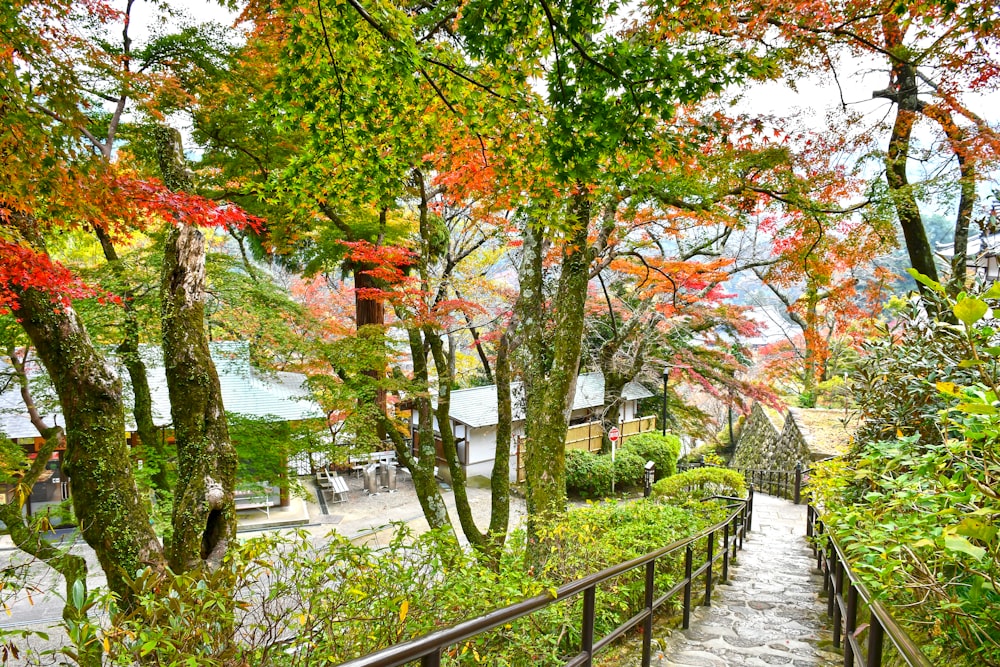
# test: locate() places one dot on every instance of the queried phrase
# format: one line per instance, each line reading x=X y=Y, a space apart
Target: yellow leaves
x=404 y=608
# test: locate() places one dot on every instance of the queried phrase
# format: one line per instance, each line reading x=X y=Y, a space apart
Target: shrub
x=914 y=504
x=628 y=468
x=701 y=483
x=589 y=475
x=661 y=450
x=334 y=601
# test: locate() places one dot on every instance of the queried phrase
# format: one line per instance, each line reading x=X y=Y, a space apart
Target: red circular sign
x=613 y=434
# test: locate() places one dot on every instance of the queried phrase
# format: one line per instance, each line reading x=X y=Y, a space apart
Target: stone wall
x=769 y=443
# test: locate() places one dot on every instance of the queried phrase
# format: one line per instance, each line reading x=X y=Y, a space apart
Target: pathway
x=770 y=612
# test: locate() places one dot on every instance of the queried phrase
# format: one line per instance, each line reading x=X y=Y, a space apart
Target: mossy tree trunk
x=422 y=467
x=106 y=500
x=128 y=351
x=550 y=394
x=204 y=514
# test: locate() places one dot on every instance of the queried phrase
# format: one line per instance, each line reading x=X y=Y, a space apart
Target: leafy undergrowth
x=306 y=603
x=916 y=503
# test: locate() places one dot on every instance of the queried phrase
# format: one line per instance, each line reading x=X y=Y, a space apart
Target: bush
x=661 y=450
x=914 y=504
x=701 y=483
x=589 y=475
x=335 y=601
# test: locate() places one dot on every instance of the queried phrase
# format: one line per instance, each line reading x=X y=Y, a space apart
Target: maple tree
x=62 y=175
x=936 y=56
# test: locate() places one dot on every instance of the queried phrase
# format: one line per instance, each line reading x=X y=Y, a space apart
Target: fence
x=787 y=484
x=590 y=436
x=845 y=595
x=429 y=648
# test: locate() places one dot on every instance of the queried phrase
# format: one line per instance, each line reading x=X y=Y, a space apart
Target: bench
x=338 y=488
x=253 y=499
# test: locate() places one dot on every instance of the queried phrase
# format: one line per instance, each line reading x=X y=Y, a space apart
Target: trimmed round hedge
x=701 y=483
x=663 y=450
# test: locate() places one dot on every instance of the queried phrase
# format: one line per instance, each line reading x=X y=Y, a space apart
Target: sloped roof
x=978 y=243
x=633 y=391
x=478 y=406
x=773 y=325
x=244 y=390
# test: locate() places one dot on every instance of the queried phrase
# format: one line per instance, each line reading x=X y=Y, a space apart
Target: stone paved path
x=770 y=613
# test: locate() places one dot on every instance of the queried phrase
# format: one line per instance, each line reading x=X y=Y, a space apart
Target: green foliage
x=915 y=504
x=336 y=600
x=700 y=483
x=894 y=386
x=661 y=450
x=263 y=445
x=589 y=475
x=807 y=399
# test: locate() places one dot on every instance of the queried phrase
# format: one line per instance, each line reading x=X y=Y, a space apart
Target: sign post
x=613 y=436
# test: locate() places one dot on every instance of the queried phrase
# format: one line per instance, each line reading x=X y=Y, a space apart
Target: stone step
x=770 y=612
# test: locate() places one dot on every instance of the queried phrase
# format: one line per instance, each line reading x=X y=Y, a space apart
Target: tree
x=936 y=56
x=56 y=181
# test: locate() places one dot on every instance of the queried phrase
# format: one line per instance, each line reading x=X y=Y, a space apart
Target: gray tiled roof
x=633 y=391
x=478 y=406
x=244 y=390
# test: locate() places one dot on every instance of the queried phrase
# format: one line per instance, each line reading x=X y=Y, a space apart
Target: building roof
x=245 y=390
x=988 y=244
x=773 y=325
x=633 y=391
x=477 y=406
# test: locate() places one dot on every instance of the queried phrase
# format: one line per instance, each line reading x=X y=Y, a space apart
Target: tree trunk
x=106 y=501
x=422 y=467
x=204 y=514
x=371 y=312
x=549 y=403
x=903 y=92
x=128 y=351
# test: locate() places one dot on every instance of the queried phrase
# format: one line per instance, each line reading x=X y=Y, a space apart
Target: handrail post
x=688 y=557
x=708 y=572
x=876 y=634
x=831 y=565
x=850 y=623
x=647 y=625
x=725 y=552
x=798 y=483
x=431 y=659
x=587 y=629
x=838 y=592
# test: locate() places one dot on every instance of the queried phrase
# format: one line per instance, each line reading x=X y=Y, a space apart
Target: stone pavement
x=770 y=612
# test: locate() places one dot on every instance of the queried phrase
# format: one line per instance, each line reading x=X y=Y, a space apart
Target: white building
x=473 y=415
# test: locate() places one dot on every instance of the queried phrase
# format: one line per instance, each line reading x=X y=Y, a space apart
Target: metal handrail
x=428 y=648
x=844 y=608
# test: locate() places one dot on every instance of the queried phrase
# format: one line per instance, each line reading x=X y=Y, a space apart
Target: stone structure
x=768 y=441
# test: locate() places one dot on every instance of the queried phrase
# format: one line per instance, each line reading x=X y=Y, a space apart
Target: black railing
x=786 y=484
x=429 y=648
x=845 y=595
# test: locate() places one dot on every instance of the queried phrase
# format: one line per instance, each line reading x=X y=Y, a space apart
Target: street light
x=666 y=378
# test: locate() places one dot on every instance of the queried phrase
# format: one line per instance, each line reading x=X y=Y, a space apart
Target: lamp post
x=666 y=378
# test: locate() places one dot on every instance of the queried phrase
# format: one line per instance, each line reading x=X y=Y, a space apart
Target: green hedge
x=663 y=450
x=589 y=475
x=701 y=483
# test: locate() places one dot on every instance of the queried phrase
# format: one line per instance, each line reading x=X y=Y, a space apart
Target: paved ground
x=770 y=613
x=362 y=518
